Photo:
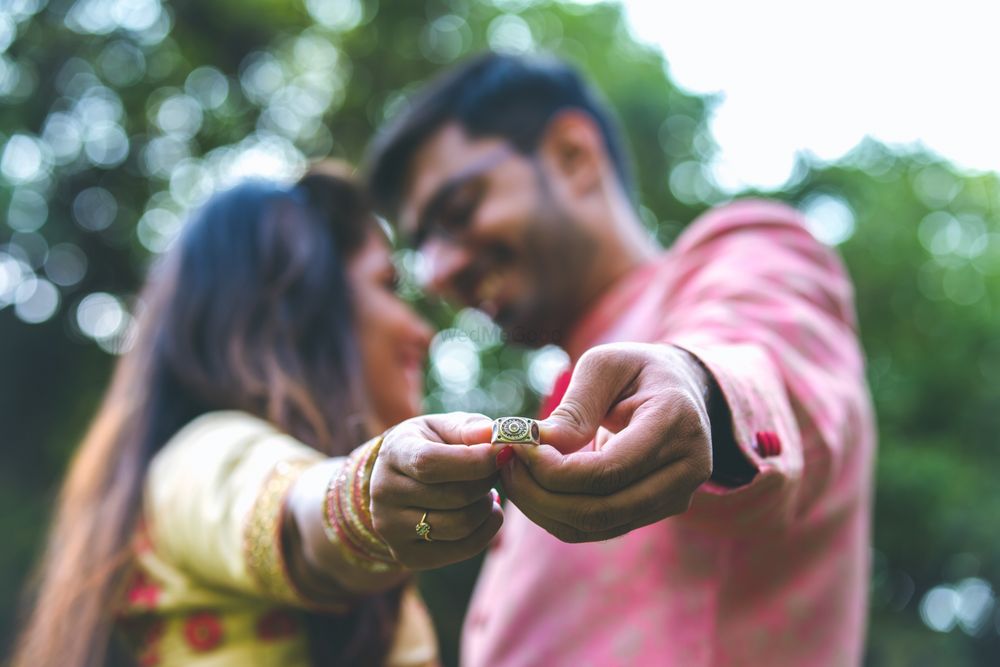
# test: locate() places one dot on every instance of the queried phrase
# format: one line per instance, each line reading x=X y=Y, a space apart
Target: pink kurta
x=772 y=573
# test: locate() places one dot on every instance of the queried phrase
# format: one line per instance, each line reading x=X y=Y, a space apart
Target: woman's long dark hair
x=249 y=310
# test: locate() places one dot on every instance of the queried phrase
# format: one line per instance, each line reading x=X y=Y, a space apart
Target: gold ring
x=519 y=430
x=424 y=528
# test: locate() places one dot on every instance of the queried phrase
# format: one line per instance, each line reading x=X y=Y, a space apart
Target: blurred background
x=118 y=116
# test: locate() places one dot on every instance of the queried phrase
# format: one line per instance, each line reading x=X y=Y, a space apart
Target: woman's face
x=392 y=338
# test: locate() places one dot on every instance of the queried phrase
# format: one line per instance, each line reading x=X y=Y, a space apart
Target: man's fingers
x=662 y=430
x=588 y=472
x=566 y=533
x=663 y=493
x=599 y=379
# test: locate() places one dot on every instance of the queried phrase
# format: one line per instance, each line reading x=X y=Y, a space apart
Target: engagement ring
x=424 y=529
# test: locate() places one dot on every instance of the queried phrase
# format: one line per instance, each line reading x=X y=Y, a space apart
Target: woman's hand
x=442 y=465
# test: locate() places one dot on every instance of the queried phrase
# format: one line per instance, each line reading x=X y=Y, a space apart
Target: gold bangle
x=347 y=517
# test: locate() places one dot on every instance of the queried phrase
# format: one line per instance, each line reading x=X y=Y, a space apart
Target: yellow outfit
x=210 y=588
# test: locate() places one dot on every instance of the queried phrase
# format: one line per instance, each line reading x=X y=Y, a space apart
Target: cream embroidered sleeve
x=214 y=504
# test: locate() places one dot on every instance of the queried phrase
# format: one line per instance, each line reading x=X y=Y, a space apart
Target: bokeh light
x=100 y=17
x=36 y=300
x=544 y=366
x=454 y=361
x=830 y=219
x=24 y=159
x=209 y=86
x=28 y=210
x=511 y=34
x=95 y=209
x=13 y=272
x=66 y=264
x=104 y=318
x=340 y=16
x=939 y=608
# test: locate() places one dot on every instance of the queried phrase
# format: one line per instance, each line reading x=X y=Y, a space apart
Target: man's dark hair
x=496 y=95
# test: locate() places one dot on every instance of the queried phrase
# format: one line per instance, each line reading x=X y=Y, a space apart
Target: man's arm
x=767 y=311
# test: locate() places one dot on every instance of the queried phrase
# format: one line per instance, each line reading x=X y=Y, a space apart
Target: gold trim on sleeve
x=262 y=543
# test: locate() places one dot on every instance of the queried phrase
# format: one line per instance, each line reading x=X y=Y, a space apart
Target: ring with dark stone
x=515 y=430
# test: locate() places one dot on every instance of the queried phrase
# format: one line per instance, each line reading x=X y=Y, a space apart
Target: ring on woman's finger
x=424 y=529
x=518 y=430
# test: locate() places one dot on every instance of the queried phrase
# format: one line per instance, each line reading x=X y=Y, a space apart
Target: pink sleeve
x=769 y=311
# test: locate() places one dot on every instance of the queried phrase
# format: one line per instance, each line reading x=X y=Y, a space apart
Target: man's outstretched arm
x=764 y=312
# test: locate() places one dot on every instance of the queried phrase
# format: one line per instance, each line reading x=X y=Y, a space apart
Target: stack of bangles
x=347 y=517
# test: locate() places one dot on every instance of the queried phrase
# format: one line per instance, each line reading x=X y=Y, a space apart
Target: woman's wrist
x=347 y=518
x=320 y=561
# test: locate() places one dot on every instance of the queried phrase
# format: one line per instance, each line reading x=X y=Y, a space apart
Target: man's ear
x=573 y=149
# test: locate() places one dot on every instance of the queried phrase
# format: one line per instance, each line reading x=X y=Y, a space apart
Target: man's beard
x=557 y=254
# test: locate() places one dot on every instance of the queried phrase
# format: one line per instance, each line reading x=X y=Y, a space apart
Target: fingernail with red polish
x=505 y=455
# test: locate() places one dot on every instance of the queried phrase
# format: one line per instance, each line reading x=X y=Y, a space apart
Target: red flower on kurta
x=203 y=631
x=143 y=591
x=277 y=624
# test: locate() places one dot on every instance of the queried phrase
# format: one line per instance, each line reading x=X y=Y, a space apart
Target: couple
x=224 y=511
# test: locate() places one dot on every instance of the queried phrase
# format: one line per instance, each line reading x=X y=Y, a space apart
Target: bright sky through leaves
x=818 y=77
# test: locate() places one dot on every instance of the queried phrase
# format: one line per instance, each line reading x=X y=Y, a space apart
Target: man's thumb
x=591 y=394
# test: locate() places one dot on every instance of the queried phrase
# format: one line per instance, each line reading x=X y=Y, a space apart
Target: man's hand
x=417 y=471
x=656 y=451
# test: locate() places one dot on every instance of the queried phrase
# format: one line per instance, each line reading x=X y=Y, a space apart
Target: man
x=716 y=423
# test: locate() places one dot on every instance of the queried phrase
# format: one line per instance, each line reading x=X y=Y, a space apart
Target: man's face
x=494 y=236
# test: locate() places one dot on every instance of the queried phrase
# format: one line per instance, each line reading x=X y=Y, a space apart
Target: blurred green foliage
x=118 y=116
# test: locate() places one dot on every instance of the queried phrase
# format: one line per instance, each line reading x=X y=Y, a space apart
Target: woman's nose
x=422 y=332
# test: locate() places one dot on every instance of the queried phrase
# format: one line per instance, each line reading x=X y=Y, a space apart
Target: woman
x=216 y=514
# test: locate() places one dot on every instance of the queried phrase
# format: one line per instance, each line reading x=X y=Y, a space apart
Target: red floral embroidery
x=143 y=591
x=277 y=624
x=203 y=631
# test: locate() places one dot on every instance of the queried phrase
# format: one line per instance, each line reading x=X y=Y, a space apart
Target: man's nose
x=443 y=261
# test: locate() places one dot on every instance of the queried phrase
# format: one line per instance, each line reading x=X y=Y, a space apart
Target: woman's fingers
x=446 y=525
x=402 y=491
x=459 y=428
x=432 y=464
x=422 y=555
x=441 y=448
x=450 y=525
